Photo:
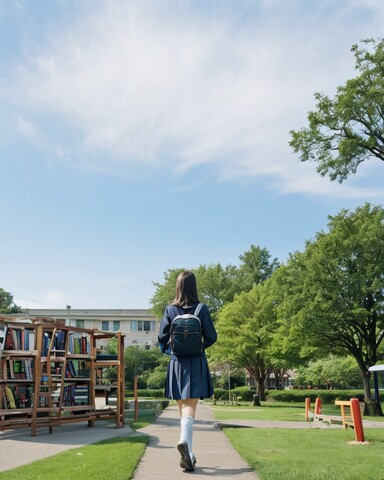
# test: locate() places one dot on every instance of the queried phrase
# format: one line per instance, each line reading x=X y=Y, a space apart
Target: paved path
x=215 y=455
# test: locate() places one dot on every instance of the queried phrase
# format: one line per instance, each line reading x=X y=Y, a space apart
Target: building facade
x=139 y=326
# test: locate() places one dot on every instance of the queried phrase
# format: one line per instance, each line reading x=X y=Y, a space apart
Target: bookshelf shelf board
x=15 y=411
x=19 y=353
x=106 y=363
x=18 y=380
x=69 y=380
x=80 y=356
x=77 y=408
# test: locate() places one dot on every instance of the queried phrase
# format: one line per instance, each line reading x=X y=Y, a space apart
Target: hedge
x=146 y=393
x=327 y=396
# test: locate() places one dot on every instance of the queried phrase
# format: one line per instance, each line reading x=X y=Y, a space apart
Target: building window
x=116 y=325
x=105 y=325
x=142 y=325
x=80 y=323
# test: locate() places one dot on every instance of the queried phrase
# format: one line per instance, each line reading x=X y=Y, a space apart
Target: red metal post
x=357 y=420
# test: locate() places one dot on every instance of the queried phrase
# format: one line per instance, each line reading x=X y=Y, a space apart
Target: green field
x=313 y=454
x=115 y=459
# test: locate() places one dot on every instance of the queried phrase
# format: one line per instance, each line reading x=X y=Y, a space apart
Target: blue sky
x=138 y=136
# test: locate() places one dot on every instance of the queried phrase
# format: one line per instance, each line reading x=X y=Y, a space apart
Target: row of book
x=16 y=338
x=78 y=344
x=75 y=395
x=19 y=396
x=20 y=368
x=56 y=343
x=77 y=368
x=24 y=339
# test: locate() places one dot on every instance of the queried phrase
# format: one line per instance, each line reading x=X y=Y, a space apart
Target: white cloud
x=185 y=87
x=25 y=128
x=52 y=299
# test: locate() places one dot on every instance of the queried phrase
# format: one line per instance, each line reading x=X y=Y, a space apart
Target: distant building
x=138 y=326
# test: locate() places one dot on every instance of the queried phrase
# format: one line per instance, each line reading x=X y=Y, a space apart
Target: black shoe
x=185 y=460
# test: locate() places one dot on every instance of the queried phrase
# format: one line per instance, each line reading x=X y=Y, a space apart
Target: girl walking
x=188 y=377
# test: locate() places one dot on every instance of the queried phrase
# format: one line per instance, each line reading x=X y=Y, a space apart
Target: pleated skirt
x=188 y=377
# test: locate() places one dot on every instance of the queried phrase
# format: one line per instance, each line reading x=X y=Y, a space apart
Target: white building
x=138 y=326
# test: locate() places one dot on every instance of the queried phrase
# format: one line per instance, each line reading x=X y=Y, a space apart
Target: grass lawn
x=313 y=454
x=146 y=417
x=269 y=411
x=281 y=454
x=115 y=458
x=274 y=411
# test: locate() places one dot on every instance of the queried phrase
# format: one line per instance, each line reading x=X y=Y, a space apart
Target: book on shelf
x=78 y=343
x=81 y=395
x=106 y=356
x=77 y=368
x=3 y=334
x=9 y=339
x=19 y=396
x=17 y=339
x=19 y=368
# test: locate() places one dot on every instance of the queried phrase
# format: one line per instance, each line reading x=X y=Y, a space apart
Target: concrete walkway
x=215 y=455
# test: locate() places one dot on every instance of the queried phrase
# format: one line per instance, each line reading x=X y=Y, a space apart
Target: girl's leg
x=187 y=407
x=187 y=410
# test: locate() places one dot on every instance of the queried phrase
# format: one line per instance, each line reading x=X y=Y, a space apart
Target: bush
x=327 y=396
x=156 y=380
x=146 y=393
x=221 y=394
x=245 y=393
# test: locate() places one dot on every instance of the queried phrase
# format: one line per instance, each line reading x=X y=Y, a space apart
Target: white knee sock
x=186 y=424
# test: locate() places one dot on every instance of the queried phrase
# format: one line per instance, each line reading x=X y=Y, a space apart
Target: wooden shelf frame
x=50 y=378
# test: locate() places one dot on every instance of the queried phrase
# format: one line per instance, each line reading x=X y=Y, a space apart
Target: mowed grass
x=282 y=454
x=115 y=458
x=310 y=454
x=274 y=411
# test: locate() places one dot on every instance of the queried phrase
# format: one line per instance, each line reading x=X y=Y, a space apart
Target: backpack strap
x=198 y=309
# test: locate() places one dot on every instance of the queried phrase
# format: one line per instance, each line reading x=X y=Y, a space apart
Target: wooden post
x=307 y=408
x=357 y=420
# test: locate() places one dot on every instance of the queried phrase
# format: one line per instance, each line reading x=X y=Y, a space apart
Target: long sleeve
x=209 y=331
x=164 y=329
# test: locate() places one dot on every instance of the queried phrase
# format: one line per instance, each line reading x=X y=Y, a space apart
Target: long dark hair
x=186 y=290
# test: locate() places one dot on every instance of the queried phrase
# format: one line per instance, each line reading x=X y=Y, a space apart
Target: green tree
x=6 y=303
x=142 y=363
x=336 y=303
x=257 y=266
x=218 y=284
x=346 y=130
x=335 y=372
x=245 y=328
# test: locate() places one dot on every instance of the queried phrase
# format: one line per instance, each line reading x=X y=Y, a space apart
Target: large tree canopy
x=245 y=328
x=346 y=130
x=218 y=284
x=339 y=303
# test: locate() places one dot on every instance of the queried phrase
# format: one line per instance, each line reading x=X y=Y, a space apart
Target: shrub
x=245 y=393
x=327 y=396
x=147 y=393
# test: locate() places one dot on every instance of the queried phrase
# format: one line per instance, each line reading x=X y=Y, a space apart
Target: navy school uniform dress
x=188 y=377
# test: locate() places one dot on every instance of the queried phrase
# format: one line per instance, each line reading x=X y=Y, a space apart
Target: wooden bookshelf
x=50 y=374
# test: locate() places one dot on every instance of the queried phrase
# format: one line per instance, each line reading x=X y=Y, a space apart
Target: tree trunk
x=372 y=407
x=261 y=390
